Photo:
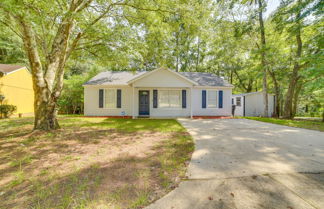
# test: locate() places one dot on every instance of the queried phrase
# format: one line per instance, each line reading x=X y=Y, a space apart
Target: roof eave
x=228 y=87
x=6 y=73
x=105 y=85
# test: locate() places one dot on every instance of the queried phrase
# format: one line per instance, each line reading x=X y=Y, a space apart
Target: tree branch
x=13 y=30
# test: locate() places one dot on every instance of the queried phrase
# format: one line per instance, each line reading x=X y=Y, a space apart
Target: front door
x=144 y=102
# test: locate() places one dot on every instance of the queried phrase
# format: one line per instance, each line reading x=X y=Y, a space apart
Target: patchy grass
x=299 y=123
x=91 y=162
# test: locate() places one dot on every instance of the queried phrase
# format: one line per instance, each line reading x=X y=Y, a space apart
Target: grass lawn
x=91 y=162
x=313 y=124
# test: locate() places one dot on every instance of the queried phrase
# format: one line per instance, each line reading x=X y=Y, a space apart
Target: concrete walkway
x=241 y=163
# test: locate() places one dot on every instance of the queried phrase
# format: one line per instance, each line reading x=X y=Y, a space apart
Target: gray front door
x=144 y=102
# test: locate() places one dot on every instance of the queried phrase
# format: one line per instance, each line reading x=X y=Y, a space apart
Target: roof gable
x=160 y=69
x=6 y=68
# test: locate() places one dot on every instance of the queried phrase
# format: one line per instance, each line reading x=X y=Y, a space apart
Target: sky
x=272 y=5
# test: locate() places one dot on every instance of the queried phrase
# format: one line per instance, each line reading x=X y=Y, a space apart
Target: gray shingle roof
x=113 y=78
x=205 y=79
x=6 y=68
x=122 y=77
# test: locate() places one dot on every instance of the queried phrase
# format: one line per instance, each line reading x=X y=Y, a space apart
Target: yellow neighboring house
x=17 y=87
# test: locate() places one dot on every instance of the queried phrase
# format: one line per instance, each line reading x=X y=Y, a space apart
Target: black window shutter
x=203 y=102
x=101 y=96
x=184 y=98
x=220 y=99
x=155 y=98
x=119 y=98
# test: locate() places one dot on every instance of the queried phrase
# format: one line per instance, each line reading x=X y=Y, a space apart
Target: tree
x=51 y=31
x=291 y=17
x=262 y=48
x=263 y=55
x=10 y=47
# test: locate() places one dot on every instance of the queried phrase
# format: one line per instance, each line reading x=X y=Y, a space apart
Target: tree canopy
x=65 y=39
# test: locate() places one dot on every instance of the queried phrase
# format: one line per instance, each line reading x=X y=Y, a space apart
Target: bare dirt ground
x=90 y=165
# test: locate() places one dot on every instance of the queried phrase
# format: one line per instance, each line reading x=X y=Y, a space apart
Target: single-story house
x=158 y=93
x=16 y=86
x=251 y=104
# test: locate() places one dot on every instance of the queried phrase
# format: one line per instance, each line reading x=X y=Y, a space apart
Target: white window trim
x=207 y=92
x=170 y=108
x=240 y=101
x=110 y=108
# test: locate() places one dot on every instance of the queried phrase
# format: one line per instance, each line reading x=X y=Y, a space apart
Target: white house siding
x=164 y=112
x=197 y=103
x=159 y=80
x=163 y=80
x=91 y=102
x=254 y=104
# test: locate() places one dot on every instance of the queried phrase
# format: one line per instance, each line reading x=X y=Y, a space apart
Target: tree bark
x=47 y=75
x=177 y=34
x=288 y=107
x=295 y=100
x=45 y=115
x=277 y=94
x=198 y=54
x=263 y=63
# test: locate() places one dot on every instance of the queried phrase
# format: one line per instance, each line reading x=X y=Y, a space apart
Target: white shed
x=251 y=104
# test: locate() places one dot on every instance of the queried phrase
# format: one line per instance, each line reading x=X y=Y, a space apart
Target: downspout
x=133 y=102
x=274 y=106
x=191 y=102
x=243 y=106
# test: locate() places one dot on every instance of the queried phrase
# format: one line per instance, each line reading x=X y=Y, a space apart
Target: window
x=110 y=98
x=238 y=101
x=169 y=98
x=212 y=98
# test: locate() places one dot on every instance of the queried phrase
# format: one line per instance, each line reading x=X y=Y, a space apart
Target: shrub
x=7 y=110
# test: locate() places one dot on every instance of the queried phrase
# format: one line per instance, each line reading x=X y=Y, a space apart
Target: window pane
x=110 y=98
x=163 y=98
x=174 y=98
x=238 y=101
x=212 y=98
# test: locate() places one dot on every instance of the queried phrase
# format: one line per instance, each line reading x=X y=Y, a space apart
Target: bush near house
x=7 y=110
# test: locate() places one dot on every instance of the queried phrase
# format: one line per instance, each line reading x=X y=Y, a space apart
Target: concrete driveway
x=241 y=163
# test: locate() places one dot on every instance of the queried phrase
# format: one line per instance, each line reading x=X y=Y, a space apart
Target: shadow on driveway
x=241 y=163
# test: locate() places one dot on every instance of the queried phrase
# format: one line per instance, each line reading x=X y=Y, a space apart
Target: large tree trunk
x=277 y=94
x=198 y=54
x=288 y=108
x=47 y=77
x=263 y=63
x=277 y=102
x=45 y=115
x=177 y=51
x=295 y=100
